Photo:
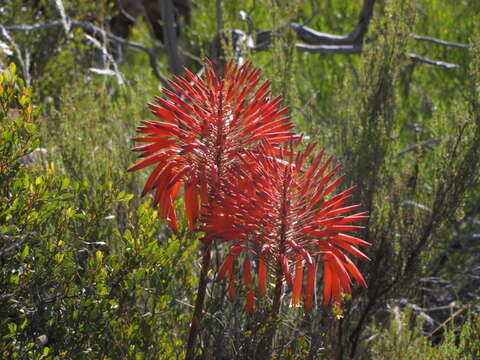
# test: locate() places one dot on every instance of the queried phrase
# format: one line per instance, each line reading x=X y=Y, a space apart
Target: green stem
x=267 y=342
x=265 y=346
x=199 y=302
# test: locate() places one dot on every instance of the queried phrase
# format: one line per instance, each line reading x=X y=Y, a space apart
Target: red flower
x=202 y=129
x=284 y=215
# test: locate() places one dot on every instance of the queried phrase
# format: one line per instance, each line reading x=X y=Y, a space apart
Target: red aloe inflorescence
x=218 y=137
x=281 y=214
x=203 y=128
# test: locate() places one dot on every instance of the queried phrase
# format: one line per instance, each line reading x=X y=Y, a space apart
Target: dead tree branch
x=89 y=27
x=424 y=60
x=420 y=145
x=440 y=42
x=355 y=37
x=329 y=49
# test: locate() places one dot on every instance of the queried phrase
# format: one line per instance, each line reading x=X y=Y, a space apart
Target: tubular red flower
x=284 y=211
x=201 y=130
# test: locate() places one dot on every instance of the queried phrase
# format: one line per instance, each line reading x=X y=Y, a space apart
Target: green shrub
x=402 y=341
x=74 y=283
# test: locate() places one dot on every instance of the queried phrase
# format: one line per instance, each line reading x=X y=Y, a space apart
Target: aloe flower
x=283 y=215
x=201 y=130
x=196 y=142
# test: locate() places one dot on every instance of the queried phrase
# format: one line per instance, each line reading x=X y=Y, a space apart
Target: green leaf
x=99 y=256
x=12 y=327
x=12 y=68
x=24 y=253
x=15 y=279
x=124 y=197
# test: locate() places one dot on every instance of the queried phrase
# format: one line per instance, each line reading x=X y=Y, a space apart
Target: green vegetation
x=89 y=271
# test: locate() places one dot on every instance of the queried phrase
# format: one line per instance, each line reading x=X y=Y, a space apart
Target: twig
x=424 y=60
x=453 y=316
x=329 y=49
x=440 y=42
x=63 y=15
x=421 y=144
x=311 y=17
x=108 y=57
x=314 y=37
x=124 y=12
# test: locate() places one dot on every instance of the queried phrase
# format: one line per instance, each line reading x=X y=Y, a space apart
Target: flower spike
x=284 y=212
x=200 y=131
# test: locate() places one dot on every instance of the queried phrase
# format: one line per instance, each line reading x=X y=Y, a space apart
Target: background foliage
x=88 y=271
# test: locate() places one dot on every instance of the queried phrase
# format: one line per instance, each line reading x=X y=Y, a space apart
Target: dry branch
x=424 y=60
x=89 y=27
x=421 y=144
x=440 y=42
x=329 y=49
x=355 y=37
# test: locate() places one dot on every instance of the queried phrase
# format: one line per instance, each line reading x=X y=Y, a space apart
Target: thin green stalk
x=199 y=302
x=266 y=345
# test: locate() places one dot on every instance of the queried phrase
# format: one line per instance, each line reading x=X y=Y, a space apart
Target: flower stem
x=199 y=302
x=267 y=342
x=264 y=349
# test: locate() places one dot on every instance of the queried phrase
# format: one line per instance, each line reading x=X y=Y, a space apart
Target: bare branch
x=108 y=57
x=440 y=42
x=314 y=37
x=424 y=60
x=421 y=144
x=124 y=12
x=89 y=27
x=329 y=49
x=361 y=29
x=63 y=15
x=355 y=37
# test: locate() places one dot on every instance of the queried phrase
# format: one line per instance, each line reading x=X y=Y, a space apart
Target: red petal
x=247 y=279
x=351 y=239
x=286 y=270
x=357 y=275
x=262 y=276
x=192 y=206
x=351 y=249
x=247 y=273
x=232 y=293
x=226 y=267
x=342 y=275
x=297 y=285
x=310 y=286
x=250 y=296
x=174 y=180
x=149 y=161
x=162 y=113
